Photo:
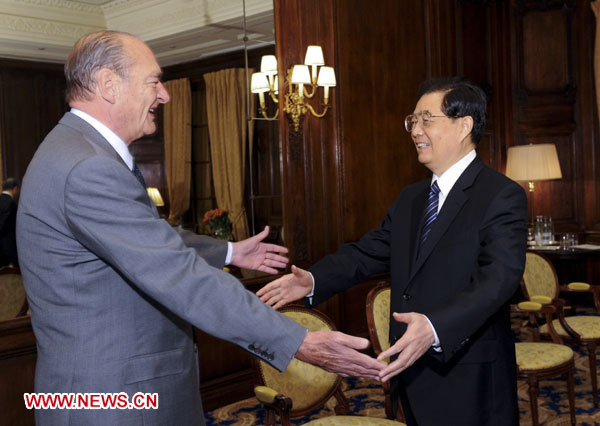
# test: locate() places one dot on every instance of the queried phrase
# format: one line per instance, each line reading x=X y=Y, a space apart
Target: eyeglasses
x=424 y=116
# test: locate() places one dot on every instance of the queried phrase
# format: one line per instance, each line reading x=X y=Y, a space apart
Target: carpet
x=366 y=398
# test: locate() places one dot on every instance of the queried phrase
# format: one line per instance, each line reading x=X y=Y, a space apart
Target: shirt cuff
x=229 y=253
x=436 y=343
x=312 y=292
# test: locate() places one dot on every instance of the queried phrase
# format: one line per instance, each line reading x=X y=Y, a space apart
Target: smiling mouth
x=422 y=145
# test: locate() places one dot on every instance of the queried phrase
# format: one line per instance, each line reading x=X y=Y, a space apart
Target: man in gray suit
x=112 y=288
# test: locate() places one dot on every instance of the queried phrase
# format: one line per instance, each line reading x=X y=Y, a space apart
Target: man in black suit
x=455 y=248
x=8 y=218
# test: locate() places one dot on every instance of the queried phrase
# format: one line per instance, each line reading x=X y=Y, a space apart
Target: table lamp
x=530 y=163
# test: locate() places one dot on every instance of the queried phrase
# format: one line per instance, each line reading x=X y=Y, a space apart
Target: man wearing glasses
x=455 y=248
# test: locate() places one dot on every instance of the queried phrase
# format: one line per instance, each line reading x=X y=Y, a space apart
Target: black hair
x=10 y=183
x=462 y=98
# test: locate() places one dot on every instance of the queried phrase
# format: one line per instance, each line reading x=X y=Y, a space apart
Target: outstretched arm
x=287 y=289
x=417 y=340
x=339 y=353
x=252 y=253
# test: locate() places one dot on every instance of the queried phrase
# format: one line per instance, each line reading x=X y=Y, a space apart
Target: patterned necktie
x=431 y=211
x=138 y=174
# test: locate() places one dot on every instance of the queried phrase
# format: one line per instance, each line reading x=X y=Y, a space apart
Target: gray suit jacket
x=112 y=288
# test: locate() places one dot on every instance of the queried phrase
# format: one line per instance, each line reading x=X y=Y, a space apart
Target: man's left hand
x=252 y=253
x=417 y=340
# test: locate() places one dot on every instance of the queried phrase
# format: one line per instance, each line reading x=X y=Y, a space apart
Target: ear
x=108 y=84
x=466 y=126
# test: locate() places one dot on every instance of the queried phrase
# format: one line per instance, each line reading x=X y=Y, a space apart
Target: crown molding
x=177 y=30
x=154 y=19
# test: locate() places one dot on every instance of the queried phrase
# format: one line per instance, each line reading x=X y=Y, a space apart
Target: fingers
x=358 y=343
x=269 y=288
x=274 y=248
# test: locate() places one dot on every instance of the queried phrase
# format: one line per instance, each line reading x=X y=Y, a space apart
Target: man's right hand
x=337 y=352
x=287 y=289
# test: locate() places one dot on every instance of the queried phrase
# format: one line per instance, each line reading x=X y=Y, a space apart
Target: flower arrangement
x=218 y=222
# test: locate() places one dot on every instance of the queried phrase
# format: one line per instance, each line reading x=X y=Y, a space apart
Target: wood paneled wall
x=31 y=103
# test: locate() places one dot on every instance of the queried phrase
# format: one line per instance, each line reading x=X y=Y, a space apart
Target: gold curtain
x=596 y=8
x=228 y=128
x=178 y=147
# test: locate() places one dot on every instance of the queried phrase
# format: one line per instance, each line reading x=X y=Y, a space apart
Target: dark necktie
x=138 y=174
x=431 y=210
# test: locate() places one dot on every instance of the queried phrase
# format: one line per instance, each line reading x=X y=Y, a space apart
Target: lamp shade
x=533 y=162
x=314 y=56
x=259 y=83
x=326 y=77
x=154 y=195
x=300 y=74
x=268 y=64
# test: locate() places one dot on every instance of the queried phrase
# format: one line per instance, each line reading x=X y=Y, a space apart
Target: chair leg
x=533 y=396
x=571 y=389
x=591 y=348
x=343 y=406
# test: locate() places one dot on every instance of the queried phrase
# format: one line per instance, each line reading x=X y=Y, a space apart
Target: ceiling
x=177 y=31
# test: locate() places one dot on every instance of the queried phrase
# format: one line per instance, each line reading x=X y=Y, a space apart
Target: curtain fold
x=178 y=147
x=228 y=129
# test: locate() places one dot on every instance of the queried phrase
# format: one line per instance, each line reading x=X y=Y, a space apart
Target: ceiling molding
x=176 y=30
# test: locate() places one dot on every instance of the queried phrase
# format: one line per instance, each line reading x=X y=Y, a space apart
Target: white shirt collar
x=447 y=180
x=8 y=193
x=115 y=141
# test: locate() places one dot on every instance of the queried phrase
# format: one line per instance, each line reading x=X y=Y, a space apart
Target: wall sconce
x=295 y=104
x=154 y=195
x=530 y=163
x=266 y=81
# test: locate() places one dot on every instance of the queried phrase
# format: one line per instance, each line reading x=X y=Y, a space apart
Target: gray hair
x=91 y=53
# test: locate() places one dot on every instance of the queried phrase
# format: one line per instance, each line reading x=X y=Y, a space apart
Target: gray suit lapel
x=454 y=202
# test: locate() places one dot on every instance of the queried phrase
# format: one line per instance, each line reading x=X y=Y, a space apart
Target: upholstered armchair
x=539 y=360
x=541 y=285
x=303 y=388
x=378 y=320
x=13 y=301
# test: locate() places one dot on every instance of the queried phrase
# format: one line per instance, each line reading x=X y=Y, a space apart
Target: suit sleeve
x=354 y=262
x=500 y=264
x=211 y=250
x=108 y=212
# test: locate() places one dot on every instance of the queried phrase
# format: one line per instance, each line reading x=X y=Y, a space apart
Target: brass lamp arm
x=326 y=107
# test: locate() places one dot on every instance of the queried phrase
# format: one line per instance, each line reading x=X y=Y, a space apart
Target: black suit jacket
x=8 y=219
x=467 y=270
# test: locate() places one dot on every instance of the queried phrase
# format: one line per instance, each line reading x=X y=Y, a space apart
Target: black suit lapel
x=453 y=204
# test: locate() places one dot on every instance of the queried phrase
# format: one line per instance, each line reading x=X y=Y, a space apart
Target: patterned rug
x=366 y=399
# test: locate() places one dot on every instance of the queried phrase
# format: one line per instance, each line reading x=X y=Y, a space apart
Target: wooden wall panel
x=31 y=103
x=380 y=64
x=545 y=50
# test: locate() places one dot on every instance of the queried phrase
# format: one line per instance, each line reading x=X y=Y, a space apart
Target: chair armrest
x=547 y=310
x=581 y=287
x=274 y=401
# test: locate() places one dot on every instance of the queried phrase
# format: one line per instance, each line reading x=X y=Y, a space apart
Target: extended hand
x=252 y=253
x=338 y=353
x=286 y=289
x=417 y=340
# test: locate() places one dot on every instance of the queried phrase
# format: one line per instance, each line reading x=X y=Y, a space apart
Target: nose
x=417 y=129
x=163 y=95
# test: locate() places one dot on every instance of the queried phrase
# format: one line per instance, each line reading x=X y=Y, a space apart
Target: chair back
x=13 y=300
x=539 y=278
x=308 y=386
x=378 y=316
